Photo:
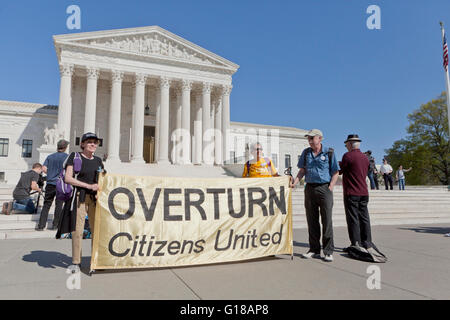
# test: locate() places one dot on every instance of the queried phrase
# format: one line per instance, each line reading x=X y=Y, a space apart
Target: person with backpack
x=259 y=166
x=52 y=166
x=319 y=166
x=84 y=192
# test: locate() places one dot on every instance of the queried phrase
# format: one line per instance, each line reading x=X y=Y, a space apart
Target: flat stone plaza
x=419 y=260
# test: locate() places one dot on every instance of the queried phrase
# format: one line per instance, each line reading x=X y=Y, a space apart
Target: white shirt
x=385 y=168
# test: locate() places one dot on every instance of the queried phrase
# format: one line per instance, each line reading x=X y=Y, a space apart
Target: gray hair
x=253 y=146
x=356 y=144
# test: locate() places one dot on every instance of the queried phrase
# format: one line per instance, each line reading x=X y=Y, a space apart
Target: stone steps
x=20 y=225
x=383 y=221
x=302 y=217
x=387 y=207
x=27 y=234
x=23 y=217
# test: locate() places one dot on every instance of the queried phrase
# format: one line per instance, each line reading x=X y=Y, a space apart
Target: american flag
x=445 y=53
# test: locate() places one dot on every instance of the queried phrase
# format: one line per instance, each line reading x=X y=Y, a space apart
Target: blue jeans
x=26 y=204
x=401 y=184
x=372 y=180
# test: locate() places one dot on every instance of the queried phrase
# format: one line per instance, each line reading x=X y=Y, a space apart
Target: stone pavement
x=418 y=268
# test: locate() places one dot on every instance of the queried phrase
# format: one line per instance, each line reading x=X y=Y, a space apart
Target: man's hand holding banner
x=163 y=222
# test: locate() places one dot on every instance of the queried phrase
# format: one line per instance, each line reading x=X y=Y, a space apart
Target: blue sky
x=305 y=64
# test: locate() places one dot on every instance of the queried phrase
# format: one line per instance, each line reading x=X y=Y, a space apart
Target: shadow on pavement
x=434 y=230
x=174 y=268
x=48 y=259
x=301 y=244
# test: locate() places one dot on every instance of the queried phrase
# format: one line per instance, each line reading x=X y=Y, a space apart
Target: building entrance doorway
x=149 y=144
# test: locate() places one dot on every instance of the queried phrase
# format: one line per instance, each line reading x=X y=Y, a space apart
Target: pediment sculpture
x=151 y=44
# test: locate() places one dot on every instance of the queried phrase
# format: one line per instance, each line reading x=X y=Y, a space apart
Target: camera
x=41 y=180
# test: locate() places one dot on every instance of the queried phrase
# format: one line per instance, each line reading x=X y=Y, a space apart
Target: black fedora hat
x=352 y=137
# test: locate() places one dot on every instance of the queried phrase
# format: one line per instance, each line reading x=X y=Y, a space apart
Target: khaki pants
x=86 y=207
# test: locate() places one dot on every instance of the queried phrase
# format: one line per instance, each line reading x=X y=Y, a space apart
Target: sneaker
x=328 y=258
x=447 y=235
x=39 y=229
x=311 y=254
x=74 y=268
x=4 y=207
x=7 y=207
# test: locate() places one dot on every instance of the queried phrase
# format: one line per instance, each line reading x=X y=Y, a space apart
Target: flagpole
x=447 y=79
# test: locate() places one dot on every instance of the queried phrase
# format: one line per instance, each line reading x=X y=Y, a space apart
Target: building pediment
x=152 y=42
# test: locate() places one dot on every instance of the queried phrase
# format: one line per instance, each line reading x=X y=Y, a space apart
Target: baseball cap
x=62 y=144
x=313 y=133
x=89 y=135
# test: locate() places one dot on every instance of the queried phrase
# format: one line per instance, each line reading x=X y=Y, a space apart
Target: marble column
x=212 y=132
x=186 y=87
x=65 y=101
x=198 y=132
x=114 y=116
x=91 y=99
x=206 y=117
x=218 y=131
x=176 y=132
x=226 y=90
x=212 y=111
x=157 y=120
x=163 y=155
x=138 y=119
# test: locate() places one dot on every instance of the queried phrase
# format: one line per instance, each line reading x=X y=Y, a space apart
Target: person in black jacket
x=84 y=196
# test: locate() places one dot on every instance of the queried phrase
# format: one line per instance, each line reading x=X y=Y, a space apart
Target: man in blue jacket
x=319 y=166
x=53 y=165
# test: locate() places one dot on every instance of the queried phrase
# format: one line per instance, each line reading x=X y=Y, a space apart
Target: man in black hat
x=354 y=167
x=53 y=165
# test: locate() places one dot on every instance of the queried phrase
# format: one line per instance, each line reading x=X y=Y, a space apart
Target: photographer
x=21 y=194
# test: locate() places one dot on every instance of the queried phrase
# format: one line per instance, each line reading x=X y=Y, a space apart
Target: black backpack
x=369 y=255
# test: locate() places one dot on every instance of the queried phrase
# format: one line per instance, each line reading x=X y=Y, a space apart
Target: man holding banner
x=259 y=166
x=321 y=169
x=83 y=200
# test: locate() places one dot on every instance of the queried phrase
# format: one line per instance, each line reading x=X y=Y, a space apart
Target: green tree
x=426 y=148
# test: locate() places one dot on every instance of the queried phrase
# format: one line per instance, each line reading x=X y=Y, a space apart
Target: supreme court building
x=152 y=96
